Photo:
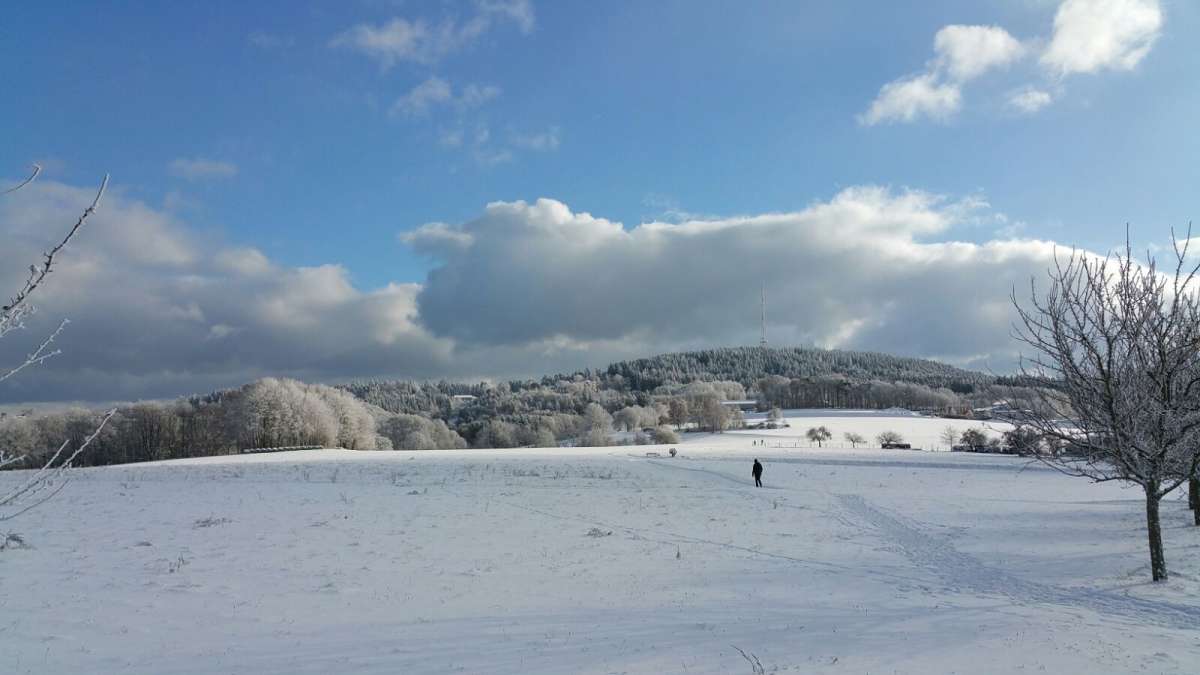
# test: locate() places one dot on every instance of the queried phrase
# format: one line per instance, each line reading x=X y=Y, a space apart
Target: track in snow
x=962 y=572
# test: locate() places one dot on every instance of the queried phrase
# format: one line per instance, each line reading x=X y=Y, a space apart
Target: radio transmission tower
x=762 y=342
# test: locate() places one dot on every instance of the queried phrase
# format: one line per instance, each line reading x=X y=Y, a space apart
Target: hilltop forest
x=654 y=398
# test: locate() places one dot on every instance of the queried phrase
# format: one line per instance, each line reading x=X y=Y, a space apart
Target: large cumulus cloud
x=158 y=311
x=863 y=270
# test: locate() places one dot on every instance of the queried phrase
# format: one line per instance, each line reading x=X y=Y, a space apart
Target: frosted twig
x=755 y=665
x=40 y=354
x=38 y=274
x=37 y=169
x=23 y=496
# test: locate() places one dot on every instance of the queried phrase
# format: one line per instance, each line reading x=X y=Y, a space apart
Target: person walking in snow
x=757 y=471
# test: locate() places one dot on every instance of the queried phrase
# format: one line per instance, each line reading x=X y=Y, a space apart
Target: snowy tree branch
x=37 y=169
x=49 y=479
x=38 y=274
x=39 y=355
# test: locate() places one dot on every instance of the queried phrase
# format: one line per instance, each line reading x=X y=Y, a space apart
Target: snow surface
x=599 y=560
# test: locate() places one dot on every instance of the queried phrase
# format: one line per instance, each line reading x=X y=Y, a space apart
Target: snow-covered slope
x=596 y=561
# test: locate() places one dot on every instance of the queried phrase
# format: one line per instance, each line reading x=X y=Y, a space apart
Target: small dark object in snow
x=672 y=451
x=12 y=540
x=597 y=532
x=210 y=522
x=143 y=543
x=414 y=492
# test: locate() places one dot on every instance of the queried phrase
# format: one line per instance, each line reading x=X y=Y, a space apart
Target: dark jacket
x=757 y=470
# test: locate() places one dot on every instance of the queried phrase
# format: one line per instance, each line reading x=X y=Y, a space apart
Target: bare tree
x=949 y=436
x=854 y=439
x=50 y=478
x=1122 y=340
x=975 y=439
x=1022 y=440
x=889 y=438
x=819 y=434
x=775 y=416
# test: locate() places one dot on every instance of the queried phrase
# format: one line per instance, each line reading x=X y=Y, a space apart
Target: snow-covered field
x=599 y=561
x=919 y=432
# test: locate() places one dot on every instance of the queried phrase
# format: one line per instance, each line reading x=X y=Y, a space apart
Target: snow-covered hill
x=598 y=561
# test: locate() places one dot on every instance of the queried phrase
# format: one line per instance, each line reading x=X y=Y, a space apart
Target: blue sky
x=317 y=134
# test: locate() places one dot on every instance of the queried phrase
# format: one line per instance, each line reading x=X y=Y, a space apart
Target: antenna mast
x=763 y=341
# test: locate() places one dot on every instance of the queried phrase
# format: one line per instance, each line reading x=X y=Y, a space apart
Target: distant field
x=920 y=432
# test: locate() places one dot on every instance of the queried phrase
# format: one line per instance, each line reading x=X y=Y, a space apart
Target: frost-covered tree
x=678 y=412
x=974 y=438
x=889 y=437
x=854 y=439
x=413 y=432
x=279 y=412
x=355 y=423
x=497 y=434
x=627 y=419
x=542 y=438
x=599 y=426
x=1022 y=440
x=949 y=436
x=634 y=417
x=48 y=479
x=665 y=435
x=819 y=435
x=710 y=414
x=1122 y=340
x=18 y=437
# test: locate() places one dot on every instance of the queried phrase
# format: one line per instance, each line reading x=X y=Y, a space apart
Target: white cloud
x=519 y=11
x=422 y=97
x=963 y=54
x=158 y=312
x=906 y=100
x=1094 y=35
x=201 y=169
x=420 y=41
x=474 y=95
x=391 y=42
x=966 y=52
x=246 y=262
x=543 y=141
x=1089 y=36
x=858 y=271
x=436 y=238
x=435 y=91
x=487 y=156
x=523 y=289
x=1030 y=100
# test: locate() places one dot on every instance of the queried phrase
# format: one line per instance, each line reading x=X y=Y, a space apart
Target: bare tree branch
x=37 y=169
x=48 y=480
x=40 y=354
x=38 y=274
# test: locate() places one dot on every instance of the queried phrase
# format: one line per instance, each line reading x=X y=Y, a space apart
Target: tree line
x=584 y=408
